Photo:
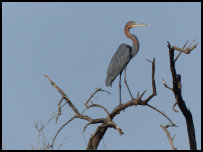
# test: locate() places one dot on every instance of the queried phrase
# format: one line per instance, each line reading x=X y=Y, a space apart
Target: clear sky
x=73 y=44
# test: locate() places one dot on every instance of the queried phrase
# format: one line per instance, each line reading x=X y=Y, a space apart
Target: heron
x=122 y=57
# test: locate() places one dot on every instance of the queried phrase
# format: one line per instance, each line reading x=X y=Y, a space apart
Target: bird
x=122 y=57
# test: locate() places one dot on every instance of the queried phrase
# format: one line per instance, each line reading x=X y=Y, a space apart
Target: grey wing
x=118 y=63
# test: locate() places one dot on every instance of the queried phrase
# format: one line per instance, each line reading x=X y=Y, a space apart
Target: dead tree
x=107 y=122
x=176 y=78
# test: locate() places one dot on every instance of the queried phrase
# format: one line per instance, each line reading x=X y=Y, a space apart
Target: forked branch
x=99 y=133
x=178 y=95
x=169 y=136
x=106 y=121
x=188 y=49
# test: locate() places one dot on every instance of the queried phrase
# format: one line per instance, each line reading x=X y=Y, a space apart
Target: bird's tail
x=107 y=82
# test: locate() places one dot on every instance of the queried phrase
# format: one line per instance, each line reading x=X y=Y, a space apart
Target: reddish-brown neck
x=135 y=47
x=127 y=33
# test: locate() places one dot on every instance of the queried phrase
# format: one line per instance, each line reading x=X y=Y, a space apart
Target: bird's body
x=122 y=57
x=118 y=62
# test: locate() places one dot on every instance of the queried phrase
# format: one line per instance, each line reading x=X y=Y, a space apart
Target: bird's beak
x=140 y=24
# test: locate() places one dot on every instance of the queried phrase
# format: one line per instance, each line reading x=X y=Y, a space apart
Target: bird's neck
x=135 y=47
x=135 y=41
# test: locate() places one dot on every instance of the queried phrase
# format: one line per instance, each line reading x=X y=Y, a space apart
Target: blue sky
x=73 y=44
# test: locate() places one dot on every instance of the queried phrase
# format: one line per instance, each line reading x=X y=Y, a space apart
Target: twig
x=164 y=83
x=162 y=114
x=181 y=52
x=97 y=105
x=59 y=109
x=63 y=95
x=169 y=136
x=93 y=121
x=154 y=93
x=176 y=103
x=52 y=145
x=187 y=50
x=91 y=96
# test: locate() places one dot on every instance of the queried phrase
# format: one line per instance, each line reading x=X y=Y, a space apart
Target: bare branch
x=153 y=83
x=162 y=114
x=164 y=83
x=140 y=97
x=178 y=95
x=174 y=106
x=100 y=106
x=99 y=133
x=149 y=60
x=59 y=109
x=138 y=94
x=91 y=96
x=173 y=137
x=185 y=44
x=184 y=47
x=93 y=121
x=177 y=56
x=40 y=126
x=169 y=136
x=181 y=52
x=106 y=122
x=63 y=95
x=187 y=50
x=191 y=43
x=120 y=130
x=52 y=145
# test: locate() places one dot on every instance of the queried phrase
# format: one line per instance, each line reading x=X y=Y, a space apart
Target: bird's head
x=131 y=24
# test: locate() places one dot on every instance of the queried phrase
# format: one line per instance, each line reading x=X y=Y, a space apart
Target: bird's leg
x=125 y=81
x=120 y=89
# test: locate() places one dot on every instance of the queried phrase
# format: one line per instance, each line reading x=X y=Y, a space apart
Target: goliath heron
x=122 y=57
